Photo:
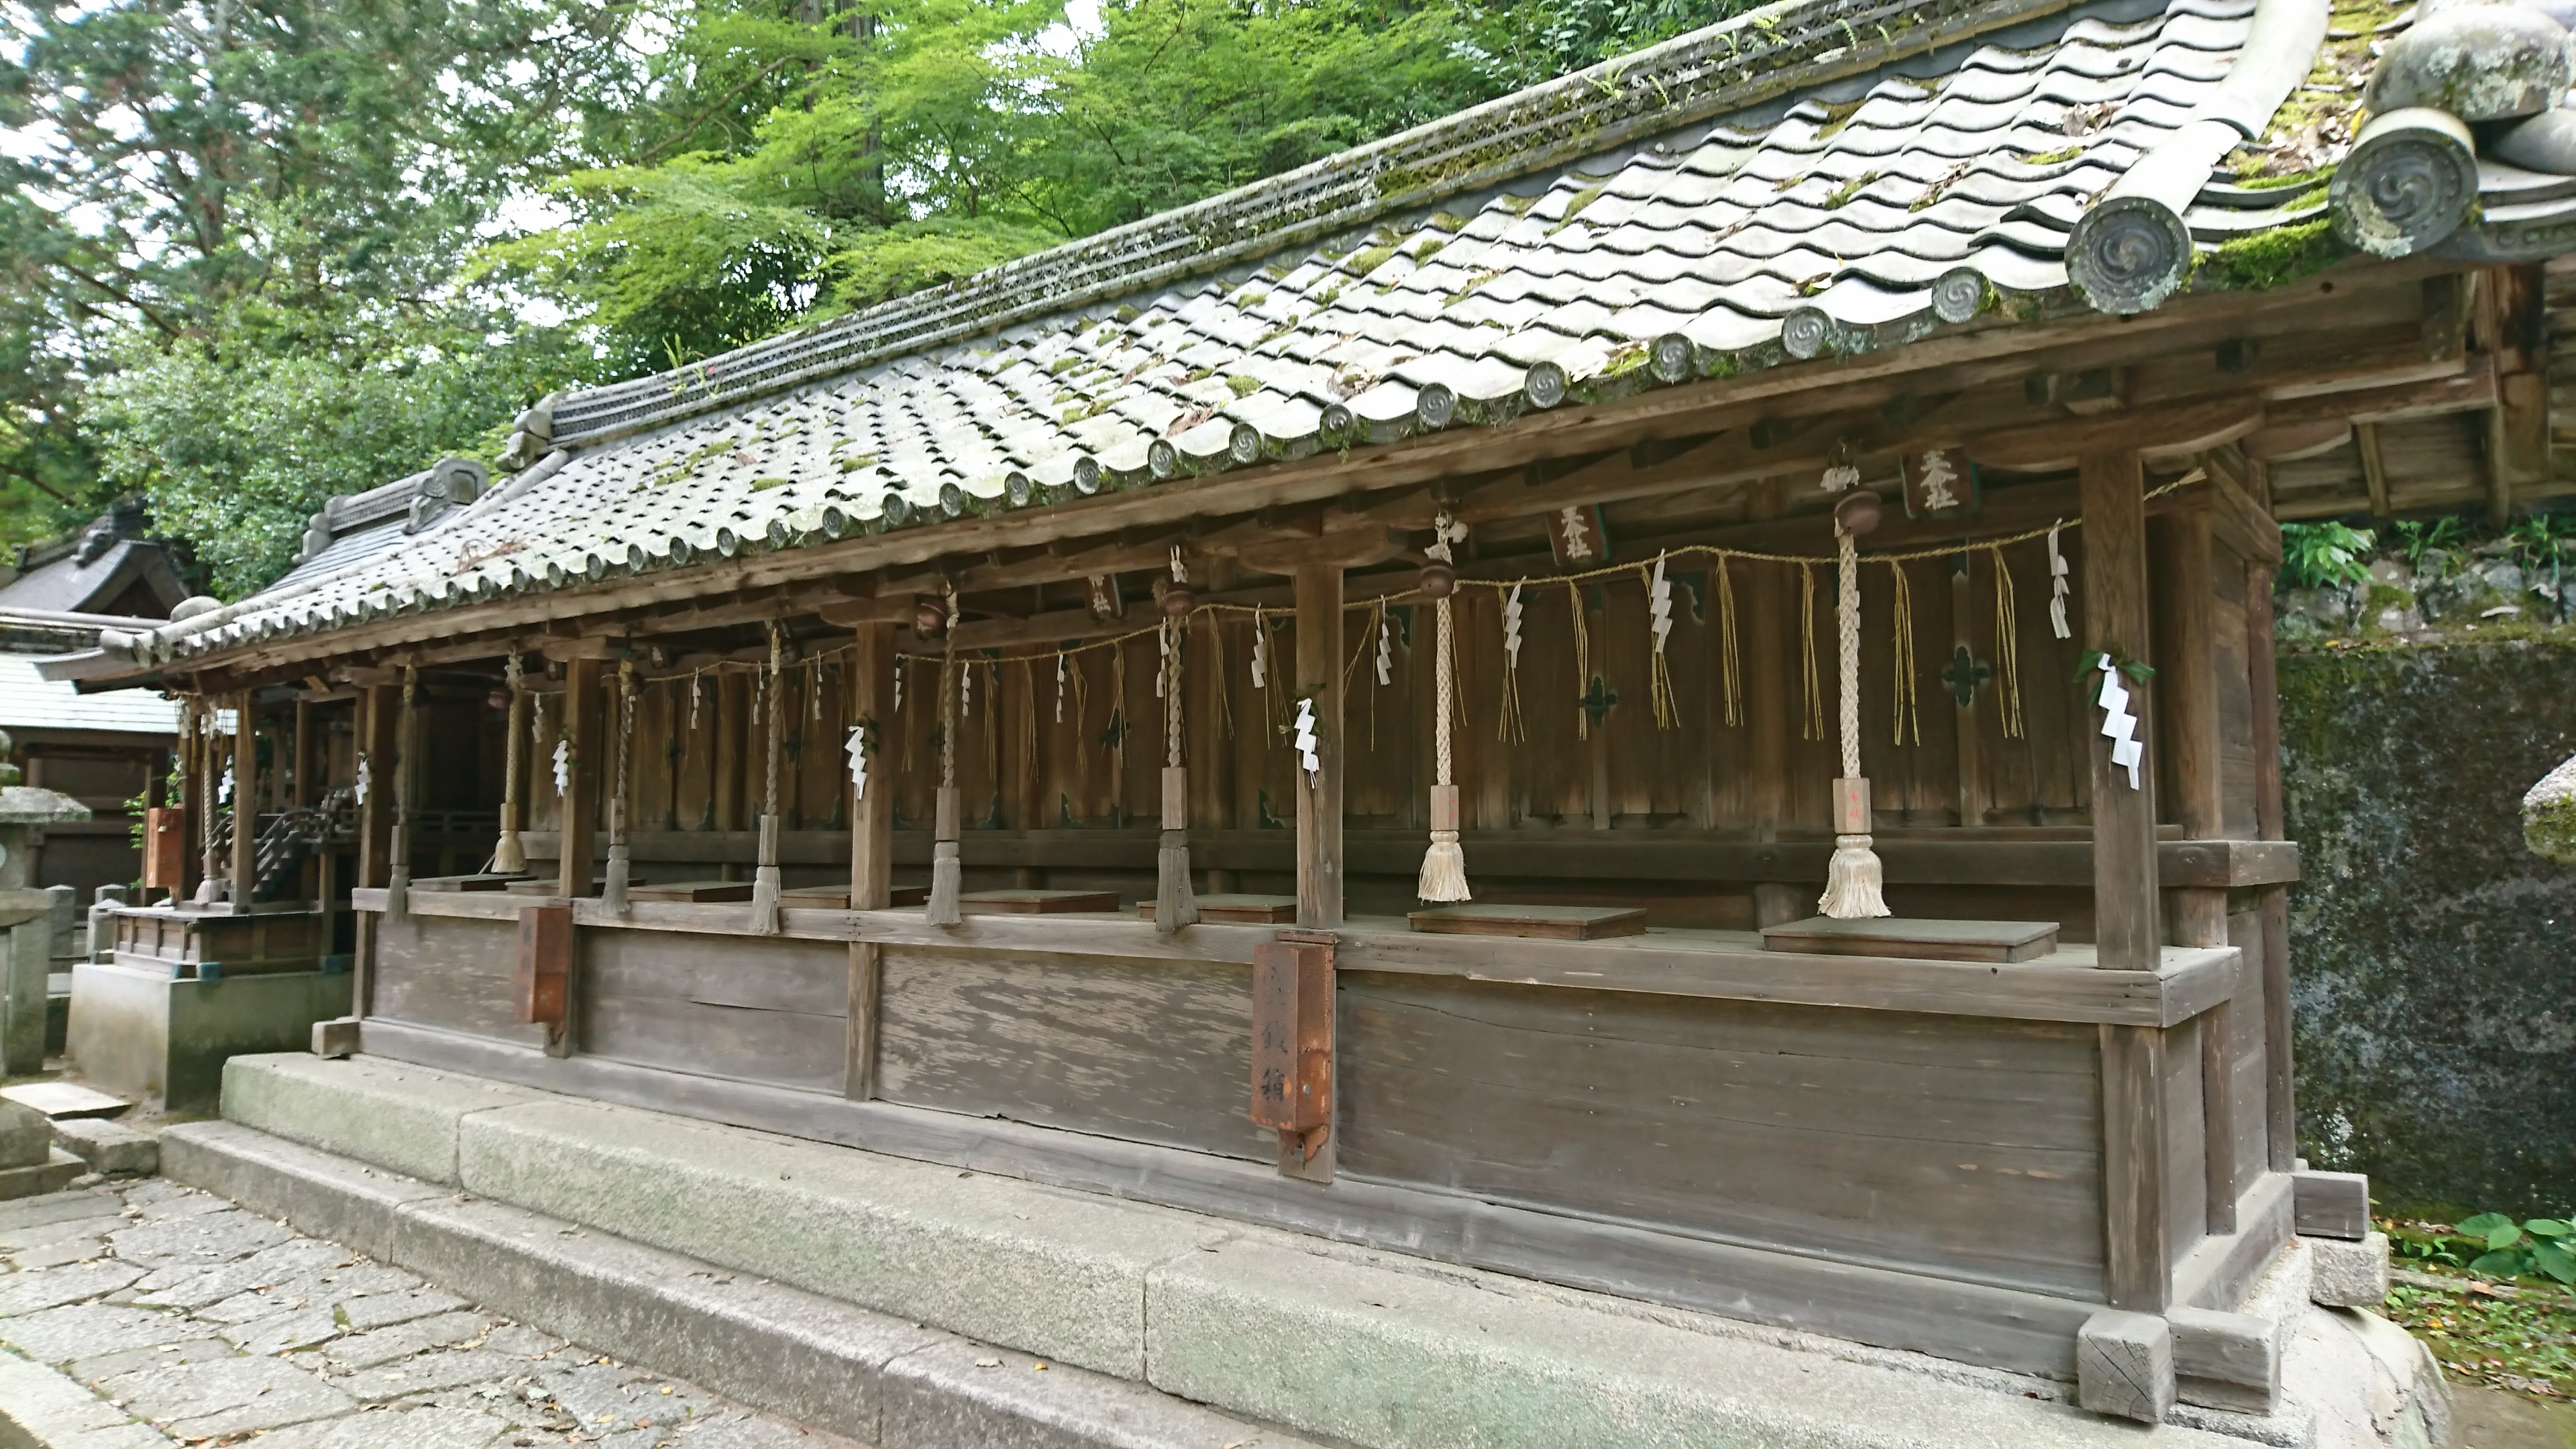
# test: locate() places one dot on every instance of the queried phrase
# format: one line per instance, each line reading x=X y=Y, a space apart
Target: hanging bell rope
x=620 y=859
x=1853 y=879
x=398 y=874
x=946 y=871
x=1908 y=708
x=1730 y=660
x=764 y=879
x=1174 y=904
x=2007 y=647
x=1444 y=864
x=509 y=856
x=1811 y=715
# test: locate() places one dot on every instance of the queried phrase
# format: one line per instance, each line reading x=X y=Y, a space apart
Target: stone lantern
x=29 y=912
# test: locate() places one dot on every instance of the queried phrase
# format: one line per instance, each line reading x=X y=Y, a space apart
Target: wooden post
x=1319 y=808
x=2125 y=906
x=378 y=714
x=1963 y=651
x=245 y=866
x=2187 y=732
x=872 y=665
x=580 y=810
x=2280 y=1104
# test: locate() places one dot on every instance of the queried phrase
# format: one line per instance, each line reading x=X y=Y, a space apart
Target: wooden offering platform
x=837 y=898
x=697 y=892
x=480 y=881
x=1238 y=910
x=1552 y=923
x=1034 y=902
x=547 y=886
x=1921 y=940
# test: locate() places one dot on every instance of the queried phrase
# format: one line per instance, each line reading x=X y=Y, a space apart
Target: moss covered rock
x=2549 y=815
x=2433 y=954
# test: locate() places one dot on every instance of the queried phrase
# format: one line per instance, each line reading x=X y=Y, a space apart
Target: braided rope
x=1847 y=608
x=1172 y=692
x=625 y=737
x=1445 y=663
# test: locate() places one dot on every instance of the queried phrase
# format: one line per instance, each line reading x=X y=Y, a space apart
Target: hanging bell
x=1858 y=512
x=1439 y=579
x=929 y=616
x=498 y=699
x=1178 y=599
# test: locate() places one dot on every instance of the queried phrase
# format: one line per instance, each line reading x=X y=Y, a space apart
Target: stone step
x=1335 y=1342
x=822 y=1362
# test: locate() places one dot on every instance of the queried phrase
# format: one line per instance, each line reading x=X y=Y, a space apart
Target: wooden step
x=1915 y=938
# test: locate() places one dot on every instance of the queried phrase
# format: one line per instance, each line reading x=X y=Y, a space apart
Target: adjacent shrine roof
x=1819 y=177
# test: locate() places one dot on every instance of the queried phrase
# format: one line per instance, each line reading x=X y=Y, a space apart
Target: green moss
x=1363 y=263
x=2051 y=158
x=2274 y=258
x=1243 y=386
x=1849 y=189
x=1574 y=208
x=763 y=485
x=2549 y=828
x=1446 y=221
x=1063 y=365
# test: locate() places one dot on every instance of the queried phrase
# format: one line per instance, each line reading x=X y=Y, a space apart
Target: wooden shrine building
x=1486 y=486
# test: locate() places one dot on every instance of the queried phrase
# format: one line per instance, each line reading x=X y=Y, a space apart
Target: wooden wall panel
x=1155 y=1051
x=1969 y=1147
x=2235 y=693
x=455 y=974
x=2186 y=1165
x=2248 y=1023
x=769 y=1011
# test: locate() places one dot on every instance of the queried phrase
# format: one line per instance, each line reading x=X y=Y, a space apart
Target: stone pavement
x=211 y=1325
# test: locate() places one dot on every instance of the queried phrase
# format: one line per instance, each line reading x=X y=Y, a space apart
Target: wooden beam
x=578 y=832
x=2171 y=431
x=871 y=676
x=1357 y=548
x=2374 y=469
x=2187 y=729
x=2116 y=622
x=1319 y=804
x=245 y=861
x=2136 y=1272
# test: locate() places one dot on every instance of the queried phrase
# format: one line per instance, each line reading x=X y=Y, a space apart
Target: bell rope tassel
x=945 y=872
x=1444 y=865
x=1854 y=878
x=764 y=881
x=509 y=857
x=1175 y=904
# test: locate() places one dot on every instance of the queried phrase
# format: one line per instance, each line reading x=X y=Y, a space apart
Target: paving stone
x=45 y=1409
x=125 y=1361
x=83 y=1330
x=329 y=1285
x=609 y=1397
x=16 y=1240
x=380 y=1310
x=427 y=1373
x=109 y=1147
x=77 y=1248
x=54 y=1208
x=198 y=1240
x=159 y=1189
x=285 y=1332
x=394 y=1428
x=187 y=1287
x=194 y=1205
x=385 y=1345
x=53 y=1287
x=520 y=1341
x=226 y=1396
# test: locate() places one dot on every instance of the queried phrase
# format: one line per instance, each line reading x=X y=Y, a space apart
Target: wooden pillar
x=1319 y=807
x=2280 y=1106
x=872 y=665
x=580 y=811
x=2125 y=905
x=2187 y=735
x=245 y=864
x=378 y=714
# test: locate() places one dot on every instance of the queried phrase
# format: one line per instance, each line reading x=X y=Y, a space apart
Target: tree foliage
x=262 y=251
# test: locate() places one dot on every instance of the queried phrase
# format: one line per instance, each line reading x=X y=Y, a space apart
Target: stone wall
x=2434 y=955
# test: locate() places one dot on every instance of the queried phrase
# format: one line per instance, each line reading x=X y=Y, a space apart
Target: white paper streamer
x=2057 y=588
x=1659 y=602
x=2118 y=725
x=858 y=750
x=1308 y=757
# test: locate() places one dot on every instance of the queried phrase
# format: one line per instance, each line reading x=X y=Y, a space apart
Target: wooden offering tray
x=1923 y=940
x=1236 y=910
x=1553 y=923
x=700 y=892
x=1033 y=903
x=480 y=881
x=837 y=898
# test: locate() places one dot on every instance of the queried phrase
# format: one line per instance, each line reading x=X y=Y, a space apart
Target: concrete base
x=51 y=1175
x=1365 y=1347
x=138 y=1033
x=109 y=1147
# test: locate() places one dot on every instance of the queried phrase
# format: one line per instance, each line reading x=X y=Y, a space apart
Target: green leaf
x=2554 y=1260
x=2499 y=1265
x=2484 y=1225
x=2550 y=1228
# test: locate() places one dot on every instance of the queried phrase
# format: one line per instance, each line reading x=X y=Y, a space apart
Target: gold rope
x=1729 y=662
x=1811 y=725
x=1908 y=705
x=1582 y=660
x=1029 y=714
x=2007 y=648
x=1216 y=658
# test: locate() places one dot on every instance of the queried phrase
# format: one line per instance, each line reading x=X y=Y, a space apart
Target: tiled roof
x=1864 y=212
x=28 y=700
